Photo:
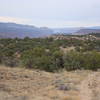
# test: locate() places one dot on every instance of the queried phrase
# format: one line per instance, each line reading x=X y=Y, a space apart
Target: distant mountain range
x=67 y=30
x=86 y=31
x=13 y=30
x=78 y=30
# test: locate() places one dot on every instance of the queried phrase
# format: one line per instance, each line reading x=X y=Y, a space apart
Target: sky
x=51 y=13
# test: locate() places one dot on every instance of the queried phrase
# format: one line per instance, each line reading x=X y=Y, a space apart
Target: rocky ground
x=24 y=84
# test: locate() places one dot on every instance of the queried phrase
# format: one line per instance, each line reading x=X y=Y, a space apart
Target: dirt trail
x=90 y=87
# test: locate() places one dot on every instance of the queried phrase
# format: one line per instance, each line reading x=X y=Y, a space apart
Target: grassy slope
x=23 y=84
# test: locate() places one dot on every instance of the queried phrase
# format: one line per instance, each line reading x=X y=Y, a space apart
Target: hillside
x=78 y=30
x=12 y=30
x=33 y=60
x=67 y=30
x=23 y=84
x=87 y=31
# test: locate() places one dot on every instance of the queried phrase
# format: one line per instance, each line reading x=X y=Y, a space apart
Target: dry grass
x=24 y=84
x=71 y=98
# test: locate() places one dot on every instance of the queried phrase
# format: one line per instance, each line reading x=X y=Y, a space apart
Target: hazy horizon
x=51 y=13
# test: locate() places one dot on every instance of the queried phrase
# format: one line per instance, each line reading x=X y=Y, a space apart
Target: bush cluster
x=45 y=54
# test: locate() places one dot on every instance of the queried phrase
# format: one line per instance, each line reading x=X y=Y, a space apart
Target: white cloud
x=51 y=13
x=64 y=23
x=13 y=19
x=51 y=23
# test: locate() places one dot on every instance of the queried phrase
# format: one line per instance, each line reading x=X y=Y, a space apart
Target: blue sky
x=51 y=13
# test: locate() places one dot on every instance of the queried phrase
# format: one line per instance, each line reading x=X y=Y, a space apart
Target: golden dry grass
x=24 y=84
